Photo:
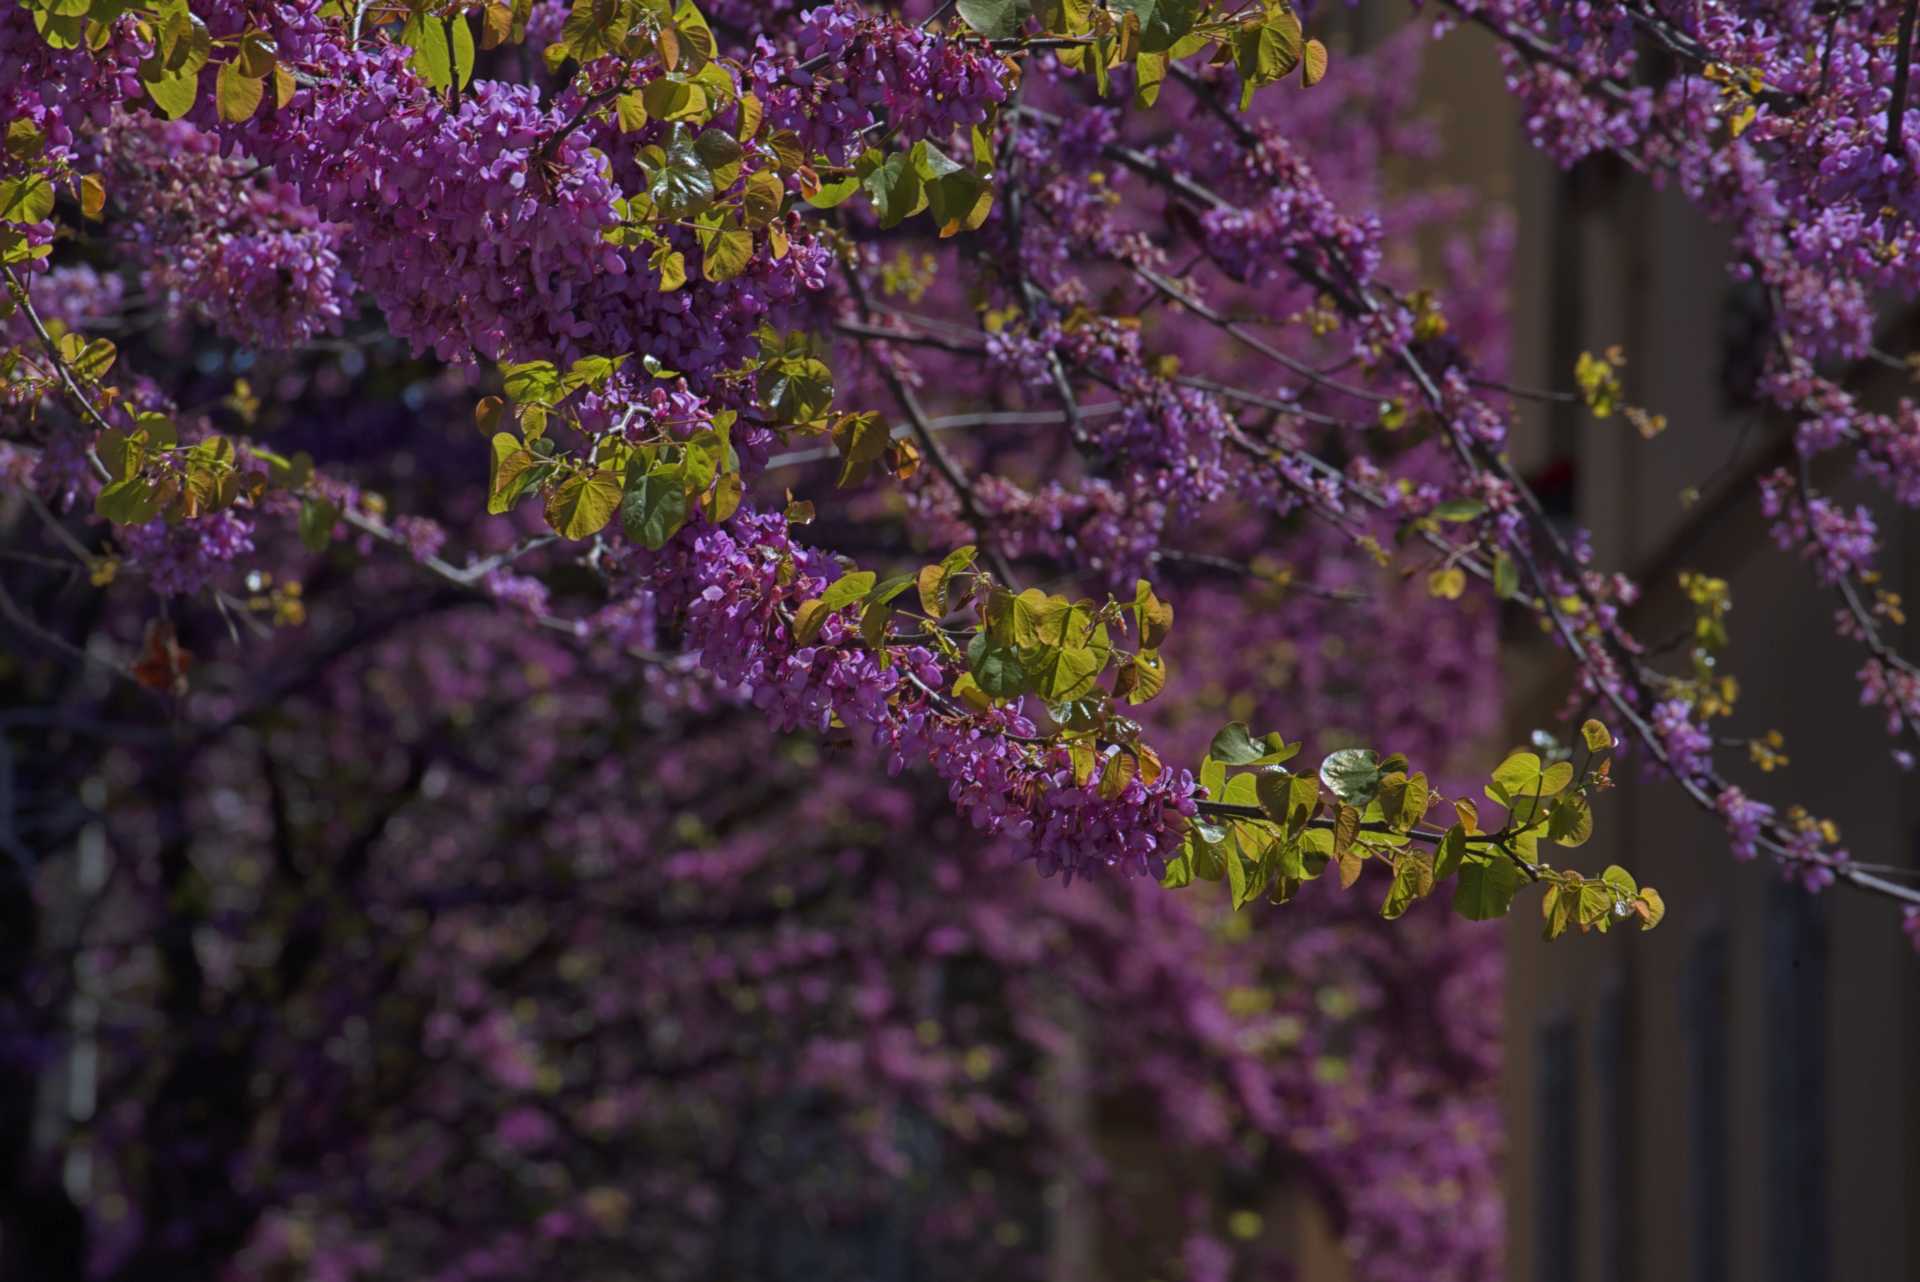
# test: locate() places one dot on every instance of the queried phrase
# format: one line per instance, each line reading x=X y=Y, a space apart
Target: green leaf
x=1516 y=776
x=93 y=196
x=1236 y=876
x=592 y=29
x=889 y=588
x=462 y=50
x=833 y=194
x=654 y=506
x=1558 y=907
x=1352 y=774
x=721 y=153
x=532 y=381
x=1149 y=73
x=119 y=453
x=995 y=19
x=1063 y=673
x=317 y=519
x=1152 y=616
x=1598 y=738
x=1179 y=873
x=707 y=457
x=1020 y=619
x=680 y=185
x=848 y=588
x=1213 y=777
x=182 y=41
x=959 y=201
x=672 y=266
x=934 y=579
x=874 y=619
x=1403 y=800
x=590 y=371
x=581 y=506
x=930 y=162
x=673 y=98
x=809 y=619
x=1118 y=768
x=968 y=691
x=1452 y=850
x=1209 y=850
x=16 y=248
x=1062 y=622
x=172 y=89
x=1316 y=852
x=511 y=473
x=1459 y=509
x=28 y=199
x=88 y=359
x=630 y=109
x=1486 y=888
x=796 y=389
x=998 y=668
x=1236 y=747
x=1506 y=577
x=862 y=440
x=1286 y=798
x=1412 y=881
x=1341 y=841
x=896 y=190
x=725 y=251
x=1247 y=864
x=1141 y=677
x=1596 y=904
x=1313 y=60
x=236 y=95
x=432 y=59
x=761 y=198
x=1163 y=23
x=1264 y=52
x=129 y=502
x=1570 y=822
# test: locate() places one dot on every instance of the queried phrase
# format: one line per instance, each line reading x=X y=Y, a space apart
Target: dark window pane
x=1707 y=1106
x=1556 y=1179
x=1796 y=1085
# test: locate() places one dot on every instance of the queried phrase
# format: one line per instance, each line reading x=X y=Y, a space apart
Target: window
x=1556 y=1156
x=1613 y=1089
x=1796 y=1085
x=1707 y=1120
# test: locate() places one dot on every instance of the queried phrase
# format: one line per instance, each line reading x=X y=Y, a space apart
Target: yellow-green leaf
x=27 y=199
x=581 y=506
x=462 y=50
x=93 y=196
x=1313 y=63
x=1412 y=881
x=506 y=478
x=725 y=252
x=236 y=94
x=432 y=58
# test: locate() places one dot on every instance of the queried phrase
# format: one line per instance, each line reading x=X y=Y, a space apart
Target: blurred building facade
x=1734 y=1097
